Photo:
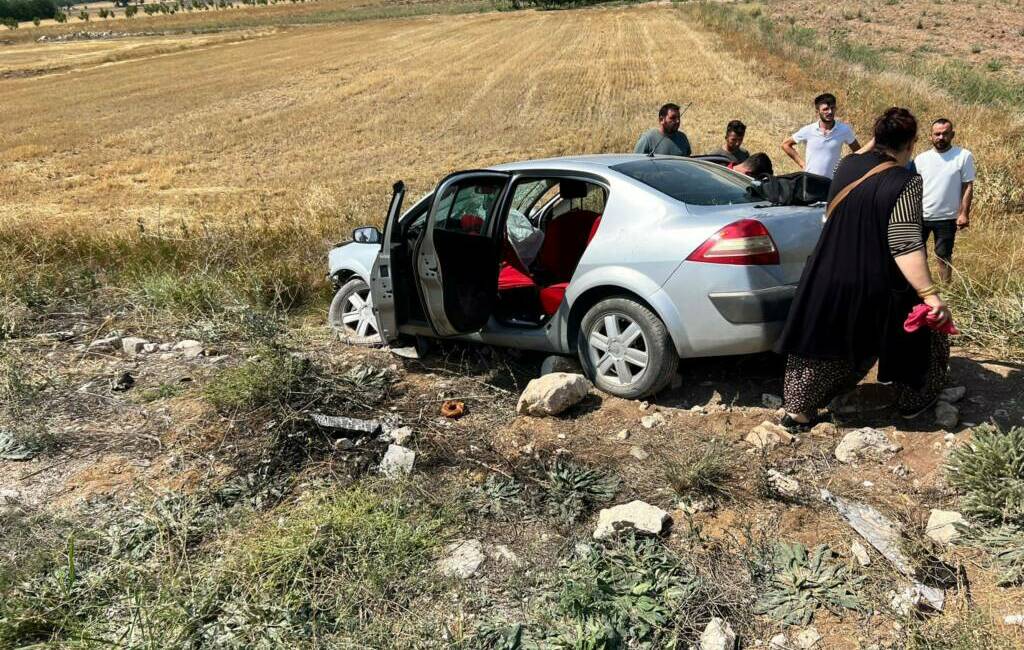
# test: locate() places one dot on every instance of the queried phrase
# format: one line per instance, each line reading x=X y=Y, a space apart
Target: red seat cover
x=471 y=223
x=565 y=240
x=551 y=297
x=509 y=277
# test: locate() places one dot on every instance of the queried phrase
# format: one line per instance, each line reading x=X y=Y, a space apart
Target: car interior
x=550 y=223
x=567 y=213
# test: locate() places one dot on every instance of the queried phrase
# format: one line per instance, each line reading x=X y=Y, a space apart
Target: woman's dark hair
x=895 y=128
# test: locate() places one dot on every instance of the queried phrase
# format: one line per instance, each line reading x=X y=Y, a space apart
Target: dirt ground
x=162 y=435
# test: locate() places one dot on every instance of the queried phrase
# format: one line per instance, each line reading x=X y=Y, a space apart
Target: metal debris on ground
x=350 y=425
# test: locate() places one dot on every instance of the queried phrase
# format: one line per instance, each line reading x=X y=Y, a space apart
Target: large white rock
x=397 y=461
x=718 y=635
x=552 y=394
x=462 y=559
x=638 y=515
x=941 y=526
x=768 y=434
x=865 y=443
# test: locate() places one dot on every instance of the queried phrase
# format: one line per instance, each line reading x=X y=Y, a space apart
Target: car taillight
x=742 y=242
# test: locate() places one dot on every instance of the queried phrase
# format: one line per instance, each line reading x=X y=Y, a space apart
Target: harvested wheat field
x=169 y=194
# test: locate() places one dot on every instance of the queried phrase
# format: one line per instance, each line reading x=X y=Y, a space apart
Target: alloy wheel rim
x=618 y=349
x=357 y=314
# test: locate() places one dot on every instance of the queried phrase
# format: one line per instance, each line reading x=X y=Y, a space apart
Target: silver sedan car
x=630 y=262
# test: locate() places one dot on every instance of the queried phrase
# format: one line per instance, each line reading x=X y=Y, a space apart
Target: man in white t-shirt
x=825 y=139
x=948 y=175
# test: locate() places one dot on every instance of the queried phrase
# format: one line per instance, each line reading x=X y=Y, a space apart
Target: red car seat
x=565 y=240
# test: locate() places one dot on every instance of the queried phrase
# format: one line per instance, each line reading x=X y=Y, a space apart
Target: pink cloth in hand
x=919 y=317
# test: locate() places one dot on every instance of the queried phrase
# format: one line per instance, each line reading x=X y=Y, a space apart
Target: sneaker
x=790 y=424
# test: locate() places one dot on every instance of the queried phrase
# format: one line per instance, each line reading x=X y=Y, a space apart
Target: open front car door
x=382 y=287
x=457 y=256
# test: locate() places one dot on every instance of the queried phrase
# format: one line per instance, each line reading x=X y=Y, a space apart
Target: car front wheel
x=351 y=314
x=625 y=349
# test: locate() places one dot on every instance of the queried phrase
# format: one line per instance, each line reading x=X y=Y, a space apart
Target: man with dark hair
x=756 y=166
x=732 y=149
x=825 y=139
x=948 y=175
x=667 y=139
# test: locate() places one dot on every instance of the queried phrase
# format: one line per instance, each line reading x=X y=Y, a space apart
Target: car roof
x=591 y=163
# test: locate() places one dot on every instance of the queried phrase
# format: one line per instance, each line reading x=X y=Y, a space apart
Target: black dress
x=853 y=299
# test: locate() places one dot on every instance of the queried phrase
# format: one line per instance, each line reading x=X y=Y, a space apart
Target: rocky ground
x=100 y=416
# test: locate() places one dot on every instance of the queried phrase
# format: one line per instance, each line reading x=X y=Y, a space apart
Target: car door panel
x=382 y=281
x=456 y=257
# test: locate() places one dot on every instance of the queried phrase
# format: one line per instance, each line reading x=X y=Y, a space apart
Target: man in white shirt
x=825 y=139
x=948 y=175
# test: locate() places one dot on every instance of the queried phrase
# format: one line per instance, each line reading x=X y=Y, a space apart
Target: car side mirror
x=366 y=235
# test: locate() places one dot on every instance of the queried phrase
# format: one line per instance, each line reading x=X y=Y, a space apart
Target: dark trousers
x=945 y=236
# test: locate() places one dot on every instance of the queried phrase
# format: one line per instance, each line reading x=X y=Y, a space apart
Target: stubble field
x=187 y=181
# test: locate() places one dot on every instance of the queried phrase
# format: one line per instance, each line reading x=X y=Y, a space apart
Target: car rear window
x=692 y=182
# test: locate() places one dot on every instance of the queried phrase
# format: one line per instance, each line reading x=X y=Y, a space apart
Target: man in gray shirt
x=667 y=139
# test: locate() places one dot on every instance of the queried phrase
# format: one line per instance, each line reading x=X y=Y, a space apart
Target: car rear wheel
x=625 y=349
x=351 y=314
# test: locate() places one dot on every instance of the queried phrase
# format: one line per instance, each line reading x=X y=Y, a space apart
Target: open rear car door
x=382 y=276
x=456 y=258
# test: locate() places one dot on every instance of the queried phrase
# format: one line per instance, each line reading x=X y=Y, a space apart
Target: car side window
x=527 y=193
x=467 y=207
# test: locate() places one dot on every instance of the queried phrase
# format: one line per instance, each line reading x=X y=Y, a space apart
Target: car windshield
x=689 y=181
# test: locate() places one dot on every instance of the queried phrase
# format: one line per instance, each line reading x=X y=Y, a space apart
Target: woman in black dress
x=868 y=271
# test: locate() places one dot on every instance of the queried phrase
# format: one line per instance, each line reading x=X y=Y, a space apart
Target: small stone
x=397 y=461
x=105 y=344
x=946 y=415
x=695 y=506
x=644 y=406
x=622 y=435
x=808 y=639
x=865 y=443
x=825 y=430
x=1014 y=619
x=697 y=409
x=868 y=484
x=527 y=449
x=652 y=420
x=952 y=394
x=185 y=344
x=858 y=551
x=165 y=347
x=779 y=642
x=504 y=554
x=941 y=526
x=718 y=635
x=133 y=345
x=561 y=436
x=9 y=497
x=949 y=437
x=643 y=517
x=401 y=435
x=900 y=470
x=150 y=348
x=768 y=434
x=771 y=401
x=553 y=394
x=639 y=454
x=463 y=559
x=916 y=597
x=344 y=444
x=784 y=485
x=558 y=363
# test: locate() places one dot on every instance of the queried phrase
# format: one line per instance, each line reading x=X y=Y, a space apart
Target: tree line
x=24 y=10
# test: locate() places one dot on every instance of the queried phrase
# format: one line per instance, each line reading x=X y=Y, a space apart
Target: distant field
x=205 y=158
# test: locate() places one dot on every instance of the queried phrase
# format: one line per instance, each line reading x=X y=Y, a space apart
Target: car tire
x=625 y=349
x=351 y=314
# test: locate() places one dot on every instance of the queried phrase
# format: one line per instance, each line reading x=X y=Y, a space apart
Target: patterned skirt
x=810 y=384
